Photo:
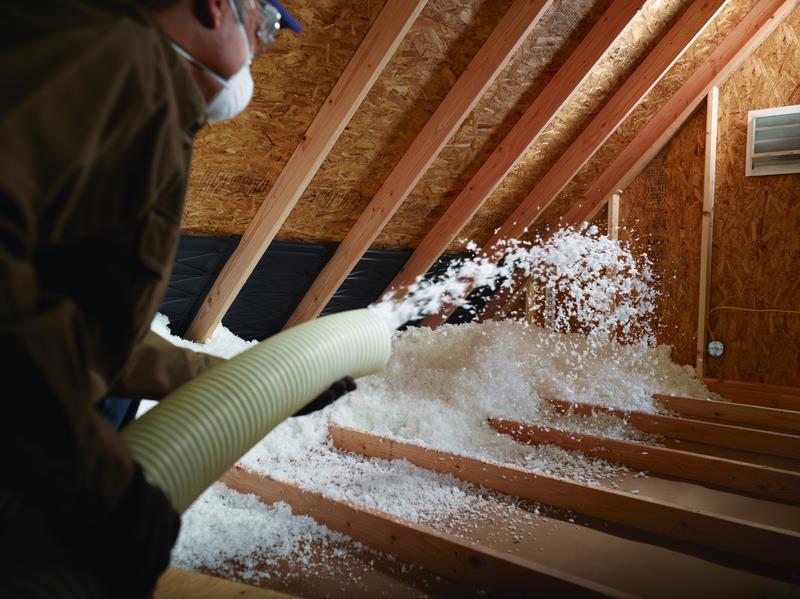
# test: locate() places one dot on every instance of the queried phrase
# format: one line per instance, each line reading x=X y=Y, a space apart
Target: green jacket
x=97 y=119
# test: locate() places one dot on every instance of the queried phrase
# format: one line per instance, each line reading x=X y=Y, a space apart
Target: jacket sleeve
x=158 y=367
x=56 y=453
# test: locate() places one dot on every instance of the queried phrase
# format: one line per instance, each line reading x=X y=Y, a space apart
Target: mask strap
x=219 y=79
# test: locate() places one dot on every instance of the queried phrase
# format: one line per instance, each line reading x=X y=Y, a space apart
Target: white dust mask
x=237 y=91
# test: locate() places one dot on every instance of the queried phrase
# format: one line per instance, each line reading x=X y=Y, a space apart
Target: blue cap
x=287 y=20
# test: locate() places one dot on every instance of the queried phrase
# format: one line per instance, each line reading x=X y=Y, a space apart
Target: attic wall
x=756 y=241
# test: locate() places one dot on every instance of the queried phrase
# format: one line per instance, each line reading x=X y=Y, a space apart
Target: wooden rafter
x=487 y=64
x=439 y=552
x=738 y=46
x=698 y=431
x=756 y=26
x=541 y=112
x=757 y=542
x=370 y=58
x=655 y=65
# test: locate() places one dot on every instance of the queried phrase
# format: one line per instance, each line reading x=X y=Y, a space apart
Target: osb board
x=235 y=163
x=730 y=15
x=756 y=242
x=436 y=51
x=660 y=215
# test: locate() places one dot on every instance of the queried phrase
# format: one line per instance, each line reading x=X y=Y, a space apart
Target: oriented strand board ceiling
x=236 y=163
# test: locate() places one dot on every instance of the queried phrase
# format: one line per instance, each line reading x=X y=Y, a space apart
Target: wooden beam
x=613 y=217
x=370 y=58
x=756 y=26
x=759 y=394
x=698 y=431
x=484 y=68
x=707 y=226
x=723 y=411
x=731 y=53
x=180 y=584
x=630 y=94
x=439 y=552
x=541 y=112
x=757 y=542
x=774 y=483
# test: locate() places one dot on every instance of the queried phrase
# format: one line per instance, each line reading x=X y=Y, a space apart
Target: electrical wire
x=738 y=309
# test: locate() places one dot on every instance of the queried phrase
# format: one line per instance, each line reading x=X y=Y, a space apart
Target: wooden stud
x=709 y=180
x=723 y=411
x=649 y=72
x=541 y=112
x=737 y=47
x=757 y=542
x=698 y=431
x=613 y=217
x=484 y=68
x=439 y=552
x=774 y=483
x=361 y=72
x=757 y=25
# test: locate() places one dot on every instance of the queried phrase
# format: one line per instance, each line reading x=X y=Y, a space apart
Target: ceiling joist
x=484 y=68
x=635 y=88
x=378 y=46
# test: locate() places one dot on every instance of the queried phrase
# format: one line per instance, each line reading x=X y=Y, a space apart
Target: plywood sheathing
x=236 y=163
x=707 y=41
x=756 y=245
x=446 y=36
x=661 y=216
x=438 y=48
x=756 y=255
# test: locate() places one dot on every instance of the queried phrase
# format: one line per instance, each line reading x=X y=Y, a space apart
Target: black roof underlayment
x=278 y=283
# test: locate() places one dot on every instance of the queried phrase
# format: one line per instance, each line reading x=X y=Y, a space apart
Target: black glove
x=338 y=389
x=132 y=545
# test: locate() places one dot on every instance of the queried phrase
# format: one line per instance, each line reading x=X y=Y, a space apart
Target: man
x=100 y=106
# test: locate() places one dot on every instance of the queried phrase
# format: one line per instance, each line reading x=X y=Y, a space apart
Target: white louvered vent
x=773 y=141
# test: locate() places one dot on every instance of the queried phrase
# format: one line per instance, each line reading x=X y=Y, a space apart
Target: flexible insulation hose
x=199 y=431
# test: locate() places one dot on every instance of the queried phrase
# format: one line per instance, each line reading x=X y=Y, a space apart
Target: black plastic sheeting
x=277 y=284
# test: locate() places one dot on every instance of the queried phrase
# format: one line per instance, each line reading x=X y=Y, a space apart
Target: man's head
x=217 y=37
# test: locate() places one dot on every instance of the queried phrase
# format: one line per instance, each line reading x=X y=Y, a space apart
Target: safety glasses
x=270 y=17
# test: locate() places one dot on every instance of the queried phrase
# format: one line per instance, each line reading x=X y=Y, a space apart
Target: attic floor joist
x=350 y=90
x=737 y=47
x=487 y=64
x=635 y=88
x=699 y=431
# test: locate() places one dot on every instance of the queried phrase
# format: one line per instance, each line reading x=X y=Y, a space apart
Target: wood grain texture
x=704 y=529
x=707 y=226
x=759 y=394
x=655 y=65
x=774 y=483
x=361 y=72
x=559 y=90
x=183 y=584
x=724 y=411
x=698 y=431
x=445 y=554
x=487 y=64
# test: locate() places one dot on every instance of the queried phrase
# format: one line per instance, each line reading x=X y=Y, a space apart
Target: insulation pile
x=438 y=391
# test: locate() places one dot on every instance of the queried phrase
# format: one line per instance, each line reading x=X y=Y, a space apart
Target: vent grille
x=773 y=141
